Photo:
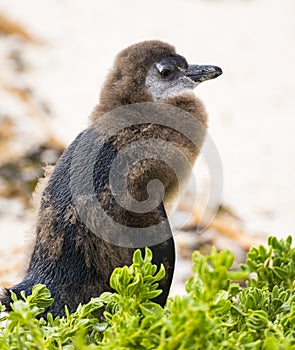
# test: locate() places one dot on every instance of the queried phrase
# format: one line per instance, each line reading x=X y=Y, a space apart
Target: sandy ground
x=251 y=107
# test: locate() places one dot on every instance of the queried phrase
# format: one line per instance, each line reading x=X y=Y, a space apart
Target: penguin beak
x=201 y=73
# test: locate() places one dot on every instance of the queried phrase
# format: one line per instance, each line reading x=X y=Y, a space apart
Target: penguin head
x=172 y=75
x=150 y=71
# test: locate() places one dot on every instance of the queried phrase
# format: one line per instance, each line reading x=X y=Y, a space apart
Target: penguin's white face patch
x=167 y=78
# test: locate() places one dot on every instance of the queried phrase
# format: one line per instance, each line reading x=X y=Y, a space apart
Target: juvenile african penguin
x=83 y=232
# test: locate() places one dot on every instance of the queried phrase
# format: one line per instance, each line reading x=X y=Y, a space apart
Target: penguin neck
x=186 y=101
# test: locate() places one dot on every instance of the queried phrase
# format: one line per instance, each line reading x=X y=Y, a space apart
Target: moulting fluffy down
x=89 y=221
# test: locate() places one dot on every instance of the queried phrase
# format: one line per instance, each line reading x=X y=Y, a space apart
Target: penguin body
x=83 y=232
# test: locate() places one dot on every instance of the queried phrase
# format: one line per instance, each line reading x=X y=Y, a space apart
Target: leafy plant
x=216 y=313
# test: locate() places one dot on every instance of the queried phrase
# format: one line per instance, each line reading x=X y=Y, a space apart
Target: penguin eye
x=166 y=73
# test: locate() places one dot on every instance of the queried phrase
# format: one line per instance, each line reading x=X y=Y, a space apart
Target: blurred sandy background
x=51 y=76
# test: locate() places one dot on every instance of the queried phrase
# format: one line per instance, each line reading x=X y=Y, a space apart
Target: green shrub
x=216 y=313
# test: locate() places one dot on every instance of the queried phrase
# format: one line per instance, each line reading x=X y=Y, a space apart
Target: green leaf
x=161 y=274
x=137 y=257
x=149 y=308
